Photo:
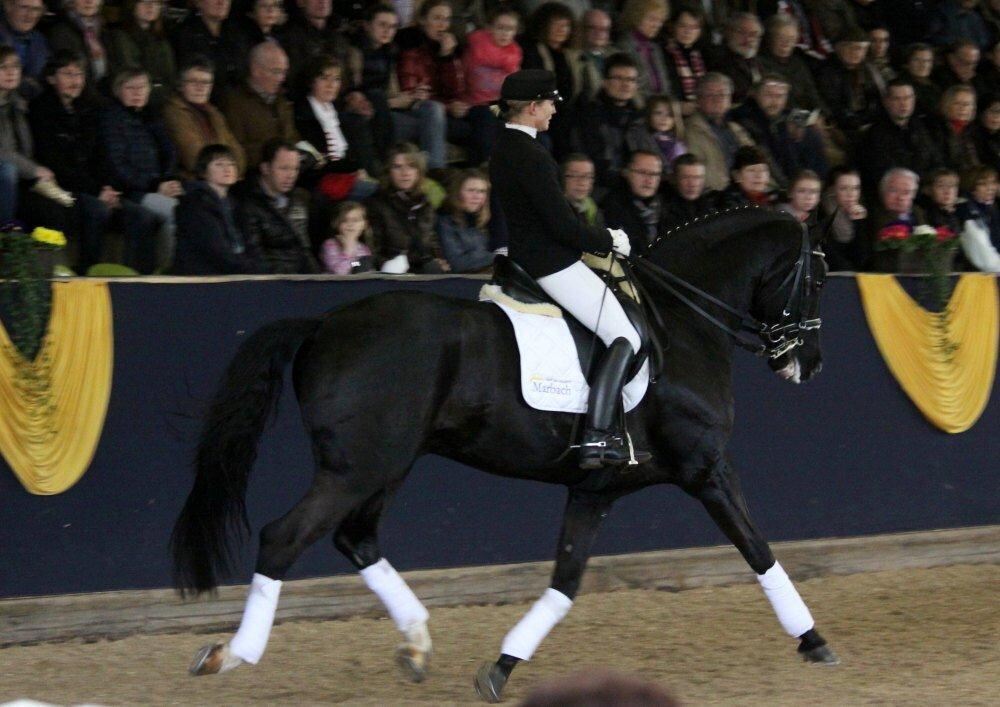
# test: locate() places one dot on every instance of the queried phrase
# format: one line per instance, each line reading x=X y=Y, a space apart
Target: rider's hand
x=619 y=242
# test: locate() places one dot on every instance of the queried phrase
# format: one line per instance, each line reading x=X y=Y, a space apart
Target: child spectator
x=847 y=247
x=665 y=129
x=402 y=217
x=803 y=197
x=209 y=241
x=463 y=222
x=349 y=251
x=141 y=41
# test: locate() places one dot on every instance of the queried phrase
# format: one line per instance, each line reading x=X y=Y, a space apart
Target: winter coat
x=132 y=46
x=787 y=155
x=608 y=133
x=33 y=49
x=282 y=235
x=802 y=86
x=66 y=142
x=16 y=145
x=702 y=141
x=852 y=107
x=465 y=245
x=209 y=241
x=68 y=35
x=138 y=155
x=193 y=127
x=403 y=222
x=632 y=44
x=486 y=65
x=192 y=38
x=885 y=145
x=253 y=121
x=422 y=66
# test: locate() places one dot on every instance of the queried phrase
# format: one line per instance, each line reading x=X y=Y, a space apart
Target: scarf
x=649 y=214
x=690 y=67
x=646 y=47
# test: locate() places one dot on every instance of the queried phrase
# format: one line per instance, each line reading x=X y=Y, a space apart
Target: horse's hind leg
x=324 y=506
x=581 y=521
x=721 y=495
x=357 y=539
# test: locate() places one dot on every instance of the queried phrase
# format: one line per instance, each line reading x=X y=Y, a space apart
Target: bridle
x=778 y=338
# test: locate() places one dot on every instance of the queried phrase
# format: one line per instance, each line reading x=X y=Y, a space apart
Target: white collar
x=533 y=132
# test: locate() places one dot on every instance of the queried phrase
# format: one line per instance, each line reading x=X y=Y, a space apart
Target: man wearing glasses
x=18 y=29
x=635 y=204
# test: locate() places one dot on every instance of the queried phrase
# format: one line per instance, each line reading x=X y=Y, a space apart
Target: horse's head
x=787 y=303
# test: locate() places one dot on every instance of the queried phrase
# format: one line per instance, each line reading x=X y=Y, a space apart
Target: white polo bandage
x=785 y=600
x=258 y=617
x=530 y=631
x=402 y=604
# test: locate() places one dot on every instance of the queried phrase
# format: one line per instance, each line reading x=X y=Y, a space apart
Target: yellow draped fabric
x=951 y=388
x=52 y=409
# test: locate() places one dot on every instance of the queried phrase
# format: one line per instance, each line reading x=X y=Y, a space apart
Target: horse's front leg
x=720 y=493
x=581 y=521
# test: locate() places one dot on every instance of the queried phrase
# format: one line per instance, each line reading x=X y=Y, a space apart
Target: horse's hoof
x=820 y=655
x=489 y=682
x=413 y=661
x=213 y=659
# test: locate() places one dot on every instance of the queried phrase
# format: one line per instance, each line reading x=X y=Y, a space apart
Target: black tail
x=214 y=522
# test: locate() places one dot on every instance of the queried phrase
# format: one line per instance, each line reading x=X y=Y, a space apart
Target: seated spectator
x=829 y=22
x=82 y=30
x=548 y=45
x=141 y=41
x=8 y=189
x=986 y=131
x=407 y=115
x=708 y=132
x=209 y=241
x=261 y=23
x=273 y=215
x=788 y=137
x=687 y=199
x=209 y=33
x=665 y=129
x=737 y=57
x=635 y=204
x=878 y=55
x=987 y=78
x=64 y=128
x=751 y=180
x=402 y=217
x=256 y=112
x=897 y=191
x=595 y=48
x=959 y=66
x=578 y=186
x=349 y=252
x=490 y=56
x=897 y=138
x=19 y=30
x=848 y=86
x=193 y=123
x=980 y=237
x=804 y=190
x=313 y=31
x=848 y=247
x=954 y=127
x=810 y=38
x=463 y=223
x=918 y=64
x=610 y=126
x=685 y=63
x=781 y=56
x=338 y=175
x=990 y=11
x=433 y=68
x=957 y=19
x=940 y=199
x=641 y=22
x=139 y=158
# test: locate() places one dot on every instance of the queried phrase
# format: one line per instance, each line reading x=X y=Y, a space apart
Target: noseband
x=779 y=338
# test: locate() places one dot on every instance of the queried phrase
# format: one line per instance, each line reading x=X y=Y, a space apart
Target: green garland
x=25 y=294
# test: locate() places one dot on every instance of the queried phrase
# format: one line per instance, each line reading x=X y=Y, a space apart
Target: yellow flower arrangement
x=49 y=236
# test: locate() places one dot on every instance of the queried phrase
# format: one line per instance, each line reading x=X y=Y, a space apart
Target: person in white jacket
x=981 y=219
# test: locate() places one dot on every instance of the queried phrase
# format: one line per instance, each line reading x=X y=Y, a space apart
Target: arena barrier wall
x=844 y=455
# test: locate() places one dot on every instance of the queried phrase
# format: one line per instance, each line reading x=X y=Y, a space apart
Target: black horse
x=465 y=404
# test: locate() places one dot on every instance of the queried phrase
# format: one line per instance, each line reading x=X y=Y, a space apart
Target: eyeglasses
x=70 y=74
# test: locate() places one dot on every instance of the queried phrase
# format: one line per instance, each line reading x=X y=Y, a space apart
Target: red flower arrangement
x=934 y=245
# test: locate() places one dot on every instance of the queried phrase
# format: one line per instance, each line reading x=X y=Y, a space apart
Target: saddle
x=519 y=285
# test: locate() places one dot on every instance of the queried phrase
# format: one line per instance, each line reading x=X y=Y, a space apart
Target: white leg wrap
x=258 y=617
x=524 y=638
x=785 y=600
x=402 y=604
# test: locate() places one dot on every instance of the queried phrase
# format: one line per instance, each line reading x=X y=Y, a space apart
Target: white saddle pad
x=551 y=378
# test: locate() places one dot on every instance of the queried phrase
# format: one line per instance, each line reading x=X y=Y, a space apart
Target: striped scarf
x=690 y=67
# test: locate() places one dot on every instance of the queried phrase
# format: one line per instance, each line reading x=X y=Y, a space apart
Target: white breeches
x=584 y=295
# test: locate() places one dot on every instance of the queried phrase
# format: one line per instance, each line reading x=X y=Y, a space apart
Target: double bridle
x=778 y=338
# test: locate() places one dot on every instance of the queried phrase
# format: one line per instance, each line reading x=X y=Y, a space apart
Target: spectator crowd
x=344 y=136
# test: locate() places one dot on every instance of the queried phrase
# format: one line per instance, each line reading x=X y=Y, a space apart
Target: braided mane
x=717 y=224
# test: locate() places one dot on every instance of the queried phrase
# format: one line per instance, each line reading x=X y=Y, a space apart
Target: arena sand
x=915 y=637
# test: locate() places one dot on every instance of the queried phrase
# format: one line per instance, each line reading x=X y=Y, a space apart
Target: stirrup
x=605 y=449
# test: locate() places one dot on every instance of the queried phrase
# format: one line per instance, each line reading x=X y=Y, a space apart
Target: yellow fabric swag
x=52 y=409
x=950 y=387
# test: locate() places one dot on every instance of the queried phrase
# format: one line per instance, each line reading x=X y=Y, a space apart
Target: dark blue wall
x=846 y=454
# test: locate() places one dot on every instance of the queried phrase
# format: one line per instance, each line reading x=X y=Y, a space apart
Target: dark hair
x=63 y=58
x=897 y=82
x=686 y=8
x=544 y=15
x=128 y=19
x=688 y=159
x=972 y=176
x=617 y=61
x=209 y=153
x=802 y=175
x=315 y=68
x=503 y=10
x=644 y=153
x=426 y=7
x=960 y=44
x=196 y=61
x=575 y=157
x=273 y=146
x=6 y=51
x=749 y=155
x=841 y=171
x=912 y=49
x=380 y=8
x=127 y=74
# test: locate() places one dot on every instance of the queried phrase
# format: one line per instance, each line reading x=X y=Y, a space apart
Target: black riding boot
x=604 y=443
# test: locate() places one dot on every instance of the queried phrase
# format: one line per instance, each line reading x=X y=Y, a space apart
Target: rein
x=780 y=337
